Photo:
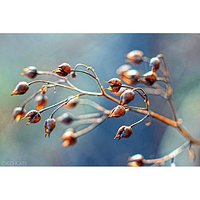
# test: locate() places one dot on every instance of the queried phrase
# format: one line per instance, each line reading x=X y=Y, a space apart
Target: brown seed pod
x=18 y=113
x=63 y=70
x=41 y=101
x=130 y=77
x=72 y=103
x=65 y=118
x=154 y=64
x=123 y=132
x=126 y=97
x=135 y=56
x=118 y=111
x=30 y=72
x=115 y=84
x=21 y=88
x=124 y=68
x=136 y=160
x=149 y=78
x=72 y=75
x=49 y=126
x=33 y=116
x=69 y=138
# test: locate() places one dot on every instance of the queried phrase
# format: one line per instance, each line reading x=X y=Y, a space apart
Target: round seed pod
x=135 y=57
x=118 y=111
x=130 y=77
x=21 y=88
x=127 y=96
x=154 y=64
x=149 y=78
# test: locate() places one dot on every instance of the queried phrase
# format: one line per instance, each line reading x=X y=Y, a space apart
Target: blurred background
x=26 y=145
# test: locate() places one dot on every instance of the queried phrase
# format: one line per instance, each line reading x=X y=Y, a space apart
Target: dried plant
x=122 y=91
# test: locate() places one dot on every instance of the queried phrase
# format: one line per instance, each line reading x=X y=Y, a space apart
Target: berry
x=154 y=64
x=115 y=84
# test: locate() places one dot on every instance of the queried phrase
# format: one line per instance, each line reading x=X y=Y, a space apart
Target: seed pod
x=18 y=113
x=65 y=118
x=124 y=68
x=63 y=70
x=154 y=64
x=130 y=77
x=49 y=126
x=21 y=88
x=135 y=56
x=33 y=116
x=69 y=138
x=149 y=78
x=72 y=75
x=136 y=160
x=72 y=103
x=118 y=111
x=41 y=101
x=123 y=132
x=126 y=97
x=30 y=72
x=115 y=84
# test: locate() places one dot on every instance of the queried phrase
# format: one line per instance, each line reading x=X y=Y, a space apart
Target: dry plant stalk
x=122 y=91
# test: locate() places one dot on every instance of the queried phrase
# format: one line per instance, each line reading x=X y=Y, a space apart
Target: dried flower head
x=18 y=113
x=127 y=96
x=65 y=118
x=30 y=72
x=154 y=64
x=118 y=111
x=149 y=78
x=49 y=126
x=130 y=77
x=115 y=84
x=71 y=103
x=136 y=160
x=21 y=88
x=135 y=56
x=123 y=132
x=69 y=138
x=63 y=70
x=33 y=116
x=41 y=101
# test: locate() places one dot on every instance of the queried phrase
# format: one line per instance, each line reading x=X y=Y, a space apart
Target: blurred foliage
x=105 y=52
